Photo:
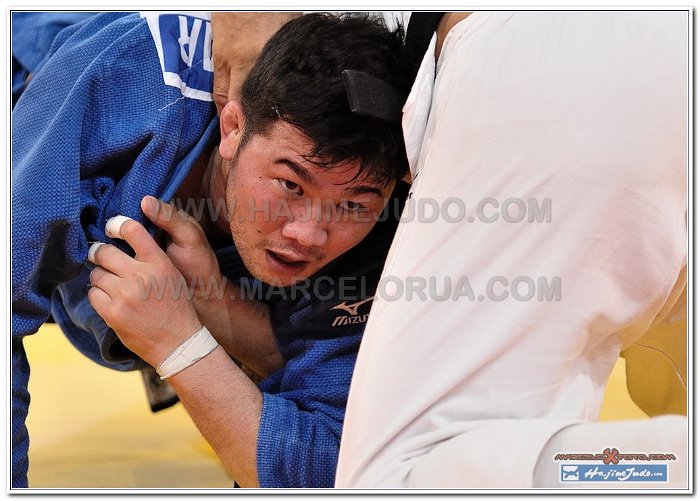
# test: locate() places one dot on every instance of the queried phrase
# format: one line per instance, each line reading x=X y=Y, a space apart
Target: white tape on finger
x=92 y=250
x=113 y=227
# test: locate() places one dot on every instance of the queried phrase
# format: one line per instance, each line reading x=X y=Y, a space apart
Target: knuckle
x=91 y=294
x=168 y=210
x=110 y=315
x=96 y=275
x=193 y=238
x=129 y=228
x=117 y=305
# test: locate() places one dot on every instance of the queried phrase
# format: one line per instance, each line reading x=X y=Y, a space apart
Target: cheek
x=262 y=211
x=345 y=237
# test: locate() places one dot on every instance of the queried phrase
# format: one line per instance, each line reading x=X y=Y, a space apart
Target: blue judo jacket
x=121 y=108
x=114 y=113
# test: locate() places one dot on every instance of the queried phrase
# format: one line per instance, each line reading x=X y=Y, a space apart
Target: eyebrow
x=307 y=177
x=361 y=190
x=299 y=171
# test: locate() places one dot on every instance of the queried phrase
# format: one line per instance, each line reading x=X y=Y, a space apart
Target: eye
x=351 y=206
x=291 y=187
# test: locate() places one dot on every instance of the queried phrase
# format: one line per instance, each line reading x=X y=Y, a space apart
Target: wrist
x=193 y=349
x=168 y=342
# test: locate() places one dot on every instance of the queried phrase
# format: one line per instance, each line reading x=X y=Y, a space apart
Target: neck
x=193 y=186
x=201 y=195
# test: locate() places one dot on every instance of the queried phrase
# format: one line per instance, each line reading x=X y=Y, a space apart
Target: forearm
x=263 y=440
x=257 y=27
x=242 y=327
x=226 y=407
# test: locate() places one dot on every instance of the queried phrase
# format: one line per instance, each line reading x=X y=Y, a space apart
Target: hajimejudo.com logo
x=613 y=473
x=614 y=468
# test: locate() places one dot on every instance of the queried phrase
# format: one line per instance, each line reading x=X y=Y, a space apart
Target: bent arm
x=263 y=439
x=242 y=327
x=248 y=433
x=238 y=39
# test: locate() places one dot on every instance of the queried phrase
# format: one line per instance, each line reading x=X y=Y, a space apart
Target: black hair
x=298 y=79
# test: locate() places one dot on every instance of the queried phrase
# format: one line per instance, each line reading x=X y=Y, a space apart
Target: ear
x=231 y=125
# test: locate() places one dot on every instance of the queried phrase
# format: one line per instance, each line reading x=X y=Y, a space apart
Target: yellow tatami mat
x=617 y=403
x=91 y=427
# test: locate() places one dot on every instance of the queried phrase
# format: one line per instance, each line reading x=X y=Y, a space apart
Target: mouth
x=286 y=262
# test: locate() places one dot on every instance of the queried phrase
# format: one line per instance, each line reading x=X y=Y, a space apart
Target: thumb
x=183 y=229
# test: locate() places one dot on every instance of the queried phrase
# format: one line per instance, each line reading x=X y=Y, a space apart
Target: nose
x=308 y=224
x=307 y=233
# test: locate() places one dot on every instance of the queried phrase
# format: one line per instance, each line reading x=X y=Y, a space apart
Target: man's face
x=290 y=217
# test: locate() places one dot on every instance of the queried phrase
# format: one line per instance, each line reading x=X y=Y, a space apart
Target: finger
x=136 y=236
x=113 y=226
x=100 y=301
x=110 y=258
x=104 y=280
x=183 y=229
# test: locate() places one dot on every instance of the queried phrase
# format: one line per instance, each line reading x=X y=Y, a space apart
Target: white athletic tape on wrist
x=196 y=347
x=113 y=226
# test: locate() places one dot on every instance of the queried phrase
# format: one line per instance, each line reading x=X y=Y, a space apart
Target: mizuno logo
x=352 y=316
x=351 y=308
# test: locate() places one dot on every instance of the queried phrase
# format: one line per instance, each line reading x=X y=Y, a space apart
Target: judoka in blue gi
x=119 y=118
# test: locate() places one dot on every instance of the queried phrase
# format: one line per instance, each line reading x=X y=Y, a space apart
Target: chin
x=278 y=278
x=280 y=281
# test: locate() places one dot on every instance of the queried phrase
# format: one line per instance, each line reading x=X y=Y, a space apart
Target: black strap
x=372 y=97
x=419 y=32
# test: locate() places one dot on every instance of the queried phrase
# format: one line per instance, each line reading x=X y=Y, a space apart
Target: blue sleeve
x=303 y=411
x=32 y=36
x=20 y=405
x=57 y=127
x=94 y=131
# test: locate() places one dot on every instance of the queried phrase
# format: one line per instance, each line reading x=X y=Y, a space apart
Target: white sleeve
x=563 y=135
